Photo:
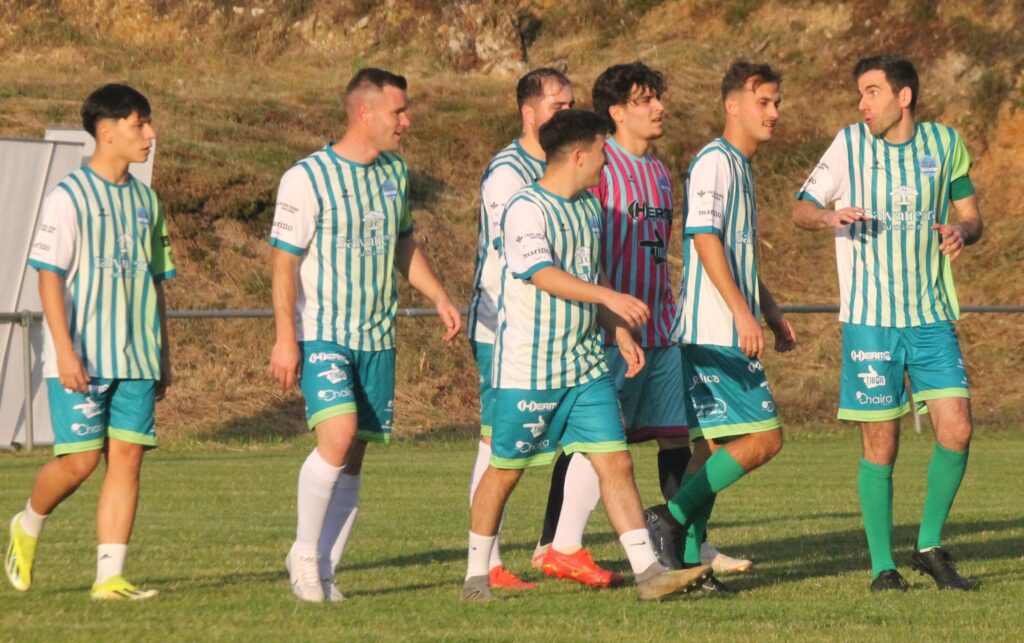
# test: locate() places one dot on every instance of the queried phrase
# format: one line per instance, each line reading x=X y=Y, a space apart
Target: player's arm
x=285 y=358
x=808 y=215
x=69 y=366
x=163 y=385
x=559 y=283
x=413 y=265
x=711 y=254
x=785 y=336
x=965 y=232
x=827 y=183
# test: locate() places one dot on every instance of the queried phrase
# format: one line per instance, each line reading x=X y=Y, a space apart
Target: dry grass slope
x=243 y=89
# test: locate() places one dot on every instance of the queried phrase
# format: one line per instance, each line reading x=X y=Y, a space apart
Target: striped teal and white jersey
x=543 y=341
x=109 y=241
x=344 y=220
x=510 y=170
x=891 y=272
x=720 y=200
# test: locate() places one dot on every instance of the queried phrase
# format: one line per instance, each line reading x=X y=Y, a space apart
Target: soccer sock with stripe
x=672 y=470
x=555 y=499
x=874 y=483
x=110 y=561
x=483 y=460
x=316 y=486
x=945 y=473
x=720 y=471
x=581 y=495
x=338 y=523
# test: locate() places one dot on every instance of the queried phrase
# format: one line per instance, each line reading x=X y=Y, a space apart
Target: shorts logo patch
x=530 y=406
x=525 y=447
x=330 y=396
x=872 y=379
x=389 y=189
x=929 y=166
x=755 y=366
x=768 y=406
x=90 y=408
x=334 y=375
x=864 y=356
x=537 y=428
x=85 y=429
x=864 y=398
x=711 y=410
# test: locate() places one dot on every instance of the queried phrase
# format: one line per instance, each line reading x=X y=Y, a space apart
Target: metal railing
x=27 y=319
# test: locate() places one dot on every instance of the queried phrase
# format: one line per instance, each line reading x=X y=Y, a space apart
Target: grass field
x=214 y=528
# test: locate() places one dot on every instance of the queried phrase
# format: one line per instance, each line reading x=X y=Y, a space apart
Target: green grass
x=214 y=527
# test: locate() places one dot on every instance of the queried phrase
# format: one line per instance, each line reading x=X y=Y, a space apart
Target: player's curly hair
x=567 y=127
x=618 y=84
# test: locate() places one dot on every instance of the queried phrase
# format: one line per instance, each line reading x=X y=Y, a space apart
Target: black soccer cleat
x=937 y=563
x=714 y=586
x=667 y=535
x=889 y=580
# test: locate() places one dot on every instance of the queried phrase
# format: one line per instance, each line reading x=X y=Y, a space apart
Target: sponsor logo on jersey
x=705 y=379
x=330 y=396
x=374 y=221
x=281 y=225
x=530 y=406
x=864 y=398
x=929 y=166
x=657 y=247
x=536 y=428
x=715 y=196
x=903 y=195
x=120 y=266
x=334 y=375
x=636 y=210
x=316 y=358
x=389 y=190
x=142 y=217
x=123 y=242
x=871 y=378
x=85 y=429
x=865 y=356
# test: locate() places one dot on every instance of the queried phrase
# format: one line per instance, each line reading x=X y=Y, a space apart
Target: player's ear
x=905 y=96
x=732 y=105
x=617 y=113
x=528 y=114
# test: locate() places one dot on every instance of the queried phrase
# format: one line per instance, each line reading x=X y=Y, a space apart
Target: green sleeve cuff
x=961 y=188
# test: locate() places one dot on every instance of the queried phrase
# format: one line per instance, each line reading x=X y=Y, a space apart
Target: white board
x=141 y=171
x=29 y=170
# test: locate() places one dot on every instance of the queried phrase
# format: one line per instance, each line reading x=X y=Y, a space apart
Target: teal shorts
x=119 y=409
x=483 y=353
x=337 y=380
x=727 y=392
x=875 y=358
x=529 y=424
x=652 y=406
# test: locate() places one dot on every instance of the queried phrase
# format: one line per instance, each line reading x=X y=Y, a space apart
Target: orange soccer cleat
x=501 y=578
x=580 y=567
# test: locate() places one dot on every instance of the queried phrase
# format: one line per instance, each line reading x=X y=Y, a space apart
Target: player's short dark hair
x=568 y=127
x=615 y=86
x=112 y=101
x=740 y=71
x=899 y=73
x=379 y=78
x=531 y=85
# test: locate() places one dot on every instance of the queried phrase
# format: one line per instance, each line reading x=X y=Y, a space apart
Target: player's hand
x=751 y=335
x=71 y=371
x=785 y=336
x=450 y=317
x=285 y=364
x=844 y=217
x=629 y=309
x=163 y=385
x=630 y=351
x=952 y=240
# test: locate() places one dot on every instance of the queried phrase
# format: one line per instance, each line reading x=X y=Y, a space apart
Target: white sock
x=341 y=515
x=582 y=493
x=110 y=561
x=483 y=459
x=31 y=522
x=316 y=486
x=479 y=554
x=637 y=544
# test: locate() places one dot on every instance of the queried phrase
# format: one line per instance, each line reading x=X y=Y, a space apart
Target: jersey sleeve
x=960 y=166
x=296 y=212
x=161 y=264
x=829 y=181
x=496 y=191
x=405 y=225
x=525 y=239
x=53 y=247
x=705 y=193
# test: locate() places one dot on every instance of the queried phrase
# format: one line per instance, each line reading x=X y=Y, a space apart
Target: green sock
x=720 y=471
x=944 y=475
x=695 y=532
x=875 y=486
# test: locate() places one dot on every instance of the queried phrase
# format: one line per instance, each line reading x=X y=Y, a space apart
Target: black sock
x=671 y=467
x=555 y=496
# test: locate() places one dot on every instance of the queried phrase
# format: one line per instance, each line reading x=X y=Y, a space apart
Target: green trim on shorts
x=334 y=411
x=941 y=393
x=733 y=430
x=379 y=437
x=881 y=415
x=486 y=430
x=595 y=447
x=78 y=447
x=538 y=460
x=125 y=435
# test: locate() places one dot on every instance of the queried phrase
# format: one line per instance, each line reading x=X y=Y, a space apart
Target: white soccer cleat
x=537 y=560
x=304 y=576
x=721 y=563
x=331 y=592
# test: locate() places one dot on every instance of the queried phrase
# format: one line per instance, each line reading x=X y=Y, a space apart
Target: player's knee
x=124 y=457
x=79 y=466
x=773 y=443
x=956 y=436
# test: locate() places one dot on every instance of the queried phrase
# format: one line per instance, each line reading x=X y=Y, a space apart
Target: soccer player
x=635 y=193
x=731 y=412
x=891 y=180
x=540 y=94
x=551 y=379
x=102 y=253
x=341 y=229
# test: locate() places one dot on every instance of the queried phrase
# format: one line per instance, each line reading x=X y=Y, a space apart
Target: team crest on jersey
x=664 y=185
x=142 y=217
x=929 y=166
x=374 y=221
x=583 y=262
x=389 y=189
x=903 y=195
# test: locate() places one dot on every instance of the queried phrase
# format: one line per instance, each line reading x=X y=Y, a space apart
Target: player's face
x=387 y=117
x=131 y=138
x=591 y=160
x=759 y=110
x=642 y=115
x=556 y=98
x=881 y=106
